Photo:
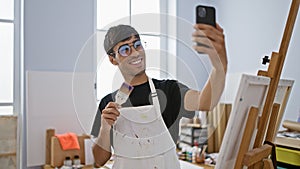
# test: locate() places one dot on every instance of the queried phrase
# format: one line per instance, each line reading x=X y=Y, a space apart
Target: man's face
x=130 y=57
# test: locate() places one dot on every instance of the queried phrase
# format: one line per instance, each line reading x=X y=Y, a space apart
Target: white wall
x=55 y=32
x=253 y=29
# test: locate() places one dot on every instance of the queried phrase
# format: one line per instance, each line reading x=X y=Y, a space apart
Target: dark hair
x=118 y=34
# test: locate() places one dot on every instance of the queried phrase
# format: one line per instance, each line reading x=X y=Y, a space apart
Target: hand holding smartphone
x=209 y=41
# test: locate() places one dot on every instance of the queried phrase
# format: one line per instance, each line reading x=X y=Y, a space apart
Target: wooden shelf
x=288 y=142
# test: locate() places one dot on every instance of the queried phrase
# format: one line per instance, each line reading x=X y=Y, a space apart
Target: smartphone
x=206 y=15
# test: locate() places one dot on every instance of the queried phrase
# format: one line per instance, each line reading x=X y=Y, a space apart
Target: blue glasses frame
x=125 y=50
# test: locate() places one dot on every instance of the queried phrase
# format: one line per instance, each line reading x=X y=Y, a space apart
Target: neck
x=137 y=80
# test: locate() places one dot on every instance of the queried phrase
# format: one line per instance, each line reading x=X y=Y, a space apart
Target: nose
x=134 y=51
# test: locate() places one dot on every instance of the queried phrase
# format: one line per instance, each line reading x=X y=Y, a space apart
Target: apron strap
x=154 y=97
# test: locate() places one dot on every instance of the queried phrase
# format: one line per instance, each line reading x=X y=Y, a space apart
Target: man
x=138 y=129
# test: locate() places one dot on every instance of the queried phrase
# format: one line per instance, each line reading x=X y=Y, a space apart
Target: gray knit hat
x=118 y=34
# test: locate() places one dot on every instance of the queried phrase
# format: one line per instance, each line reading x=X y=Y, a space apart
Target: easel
x=258 y=157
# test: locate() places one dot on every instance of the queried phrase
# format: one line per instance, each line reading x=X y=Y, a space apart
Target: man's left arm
x=214 y=45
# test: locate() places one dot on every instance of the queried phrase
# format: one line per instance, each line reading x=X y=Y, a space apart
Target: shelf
x=191 y=133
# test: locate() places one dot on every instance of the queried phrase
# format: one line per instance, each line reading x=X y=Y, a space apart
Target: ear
x=113 y=60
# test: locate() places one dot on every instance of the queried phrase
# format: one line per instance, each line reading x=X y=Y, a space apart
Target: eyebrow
x=134 y=40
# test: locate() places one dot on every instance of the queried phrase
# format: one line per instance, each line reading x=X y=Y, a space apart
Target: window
x=11 y=67
x=143 y=15
x=6 y=56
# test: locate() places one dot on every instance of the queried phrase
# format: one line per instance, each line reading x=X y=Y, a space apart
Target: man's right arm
x=101 y=149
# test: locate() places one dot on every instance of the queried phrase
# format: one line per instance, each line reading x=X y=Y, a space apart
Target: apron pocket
x=156 y=162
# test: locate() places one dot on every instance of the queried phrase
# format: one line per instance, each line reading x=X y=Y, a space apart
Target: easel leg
x=258 y=165
x=272 y=123
x=246 y=139
x=268 y=164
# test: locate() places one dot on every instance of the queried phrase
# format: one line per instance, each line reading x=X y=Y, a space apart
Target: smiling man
x=138 y=130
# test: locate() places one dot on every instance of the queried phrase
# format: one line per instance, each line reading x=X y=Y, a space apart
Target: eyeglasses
x=125 y=50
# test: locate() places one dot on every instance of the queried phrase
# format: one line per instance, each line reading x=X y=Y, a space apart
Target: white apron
x=141 y=139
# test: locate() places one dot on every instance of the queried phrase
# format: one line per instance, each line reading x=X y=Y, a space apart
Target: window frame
x=17 y=22
x=18 y=75
x=18 y=89
x=8 y=104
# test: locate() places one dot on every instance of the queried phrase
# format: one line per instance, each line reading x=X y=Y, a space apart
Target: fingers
x=208 y=35
x=203 y=41
x=210 y=40
x=219 y=28
x=110 y=113
x=112 y=105
x=213 y=42
x=210 y=32
x=205 y=27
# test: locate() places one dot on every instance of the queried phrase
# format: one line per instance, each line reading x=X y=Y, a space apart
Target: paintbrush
x=123 y=93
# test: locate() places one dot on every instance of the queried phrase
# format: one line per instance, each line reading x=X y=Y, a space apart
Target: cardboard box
x=54 y=153
x=58 y=155
x=8 y=141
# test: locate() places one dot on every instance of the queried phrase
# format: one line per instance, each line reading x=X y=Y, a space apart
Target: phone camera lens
x=202 y=12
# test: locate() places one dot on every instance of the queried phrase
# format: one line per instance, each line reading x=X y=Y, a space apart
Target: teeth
x=136 y=62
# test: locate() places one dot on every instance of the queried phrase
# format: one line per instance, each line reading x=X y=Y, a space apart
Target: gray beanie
x=117 y=34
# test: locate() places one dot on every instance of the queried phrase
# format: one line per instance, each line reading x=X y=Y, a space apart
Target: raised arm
x=214 y=45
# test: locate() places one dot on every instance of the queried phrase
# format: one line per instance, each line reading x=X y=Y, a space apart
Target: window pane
x=145 y=16
x=144 y=6
x=109 y=78
x=6 y=110
x=7 y=9
x=112 y=12
x=6 y=62
x=153 y=54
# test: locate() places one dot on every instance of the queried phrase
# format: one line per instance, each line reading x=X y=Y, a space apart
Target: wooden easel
x=258 y=157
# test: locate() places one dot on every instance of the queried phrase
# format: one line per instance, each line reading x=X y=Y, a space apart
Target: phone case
x=206 y=15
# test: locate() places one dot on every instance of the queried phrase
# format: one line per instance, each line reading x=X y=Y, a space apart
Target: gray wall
x=192 y=68
x=55 y=32
x=254 y=29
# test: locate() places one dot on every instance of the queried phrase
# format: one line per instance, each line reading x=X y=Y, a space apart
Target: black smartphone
x=206 y=15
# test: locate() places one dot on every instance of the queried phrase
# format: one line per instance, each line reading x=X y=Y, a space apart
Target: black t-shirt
x=171 y=98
